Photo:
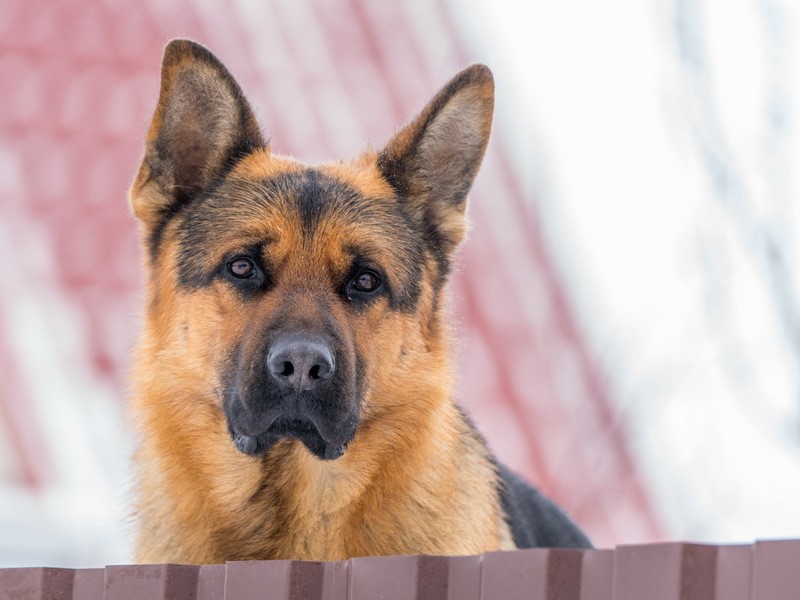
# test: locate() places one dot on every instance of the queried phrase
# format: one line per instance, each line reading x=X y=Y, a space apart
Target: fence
x=672 y=571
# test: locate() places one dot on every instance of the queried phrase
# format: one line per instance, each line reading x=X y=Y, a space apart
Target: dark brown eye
x=241 y=267
x=366 y=281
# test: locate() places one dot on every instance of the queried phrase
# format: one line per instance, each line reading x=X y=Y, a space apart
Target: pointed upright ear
x=433 y=160
x=201 y=126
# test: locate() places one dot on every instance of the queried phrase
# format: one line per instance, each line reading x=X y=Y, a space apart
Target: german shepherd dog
x=293 y=384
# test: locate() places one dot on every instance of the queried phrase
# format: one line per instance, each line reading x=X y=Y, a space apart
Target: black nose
x=300 y=363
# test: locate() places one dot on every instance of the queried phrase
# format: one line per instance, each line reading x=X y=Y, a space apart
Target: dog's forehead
x=311 y=204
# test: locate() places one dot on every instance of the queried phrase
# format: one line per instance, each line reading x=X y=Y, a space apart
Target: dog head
x=291 y=298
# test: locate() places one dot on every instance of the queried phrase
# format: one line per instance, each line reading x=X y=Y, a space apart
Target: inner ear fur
x=433 y=160
x=201 y=126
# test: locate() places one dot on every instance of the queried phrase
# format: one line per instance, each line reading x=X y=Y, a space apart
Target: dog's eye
x=241 y=267
x=366 y=281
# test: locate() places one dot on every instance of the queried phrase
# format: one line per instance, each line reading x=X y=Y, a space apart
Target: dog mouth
x=303 y=430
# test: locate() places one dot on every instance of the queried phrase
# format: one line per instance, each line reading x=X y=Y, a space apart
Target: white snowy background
x=661 y=141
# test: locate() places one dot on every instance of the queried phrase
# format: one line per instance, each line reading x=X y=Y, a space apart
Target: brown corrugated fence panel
x=211 y=582
x=88 y=584
x=152 y=582
x=36 y=584
x=597 y=575
x=673 y=571
x=734 y=565
x=465 y=578
x=274 y=579
x=665 y=572
x=776 y=570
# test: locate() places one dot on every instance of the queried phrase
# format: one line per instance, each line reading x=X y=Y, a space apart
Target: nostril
x=299 y=364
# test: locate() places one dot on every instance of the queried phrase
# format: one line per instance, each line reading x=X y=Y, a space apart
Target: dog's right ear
x=201 y=126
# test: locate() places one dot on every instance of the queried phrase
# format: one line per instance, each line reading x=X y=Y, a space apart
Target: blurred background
x=627 y=304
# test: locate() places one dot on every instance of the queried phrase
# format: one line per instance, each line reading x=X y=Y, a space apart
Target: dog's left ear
x=433 y=160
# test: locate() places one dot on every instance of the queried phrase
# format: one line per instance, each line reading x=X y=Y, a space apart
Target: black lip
x=294 y=428
x=299 y=429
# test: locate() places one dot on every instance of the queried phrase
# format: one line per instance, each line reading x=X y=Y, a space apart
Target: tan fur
x=415 y=479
